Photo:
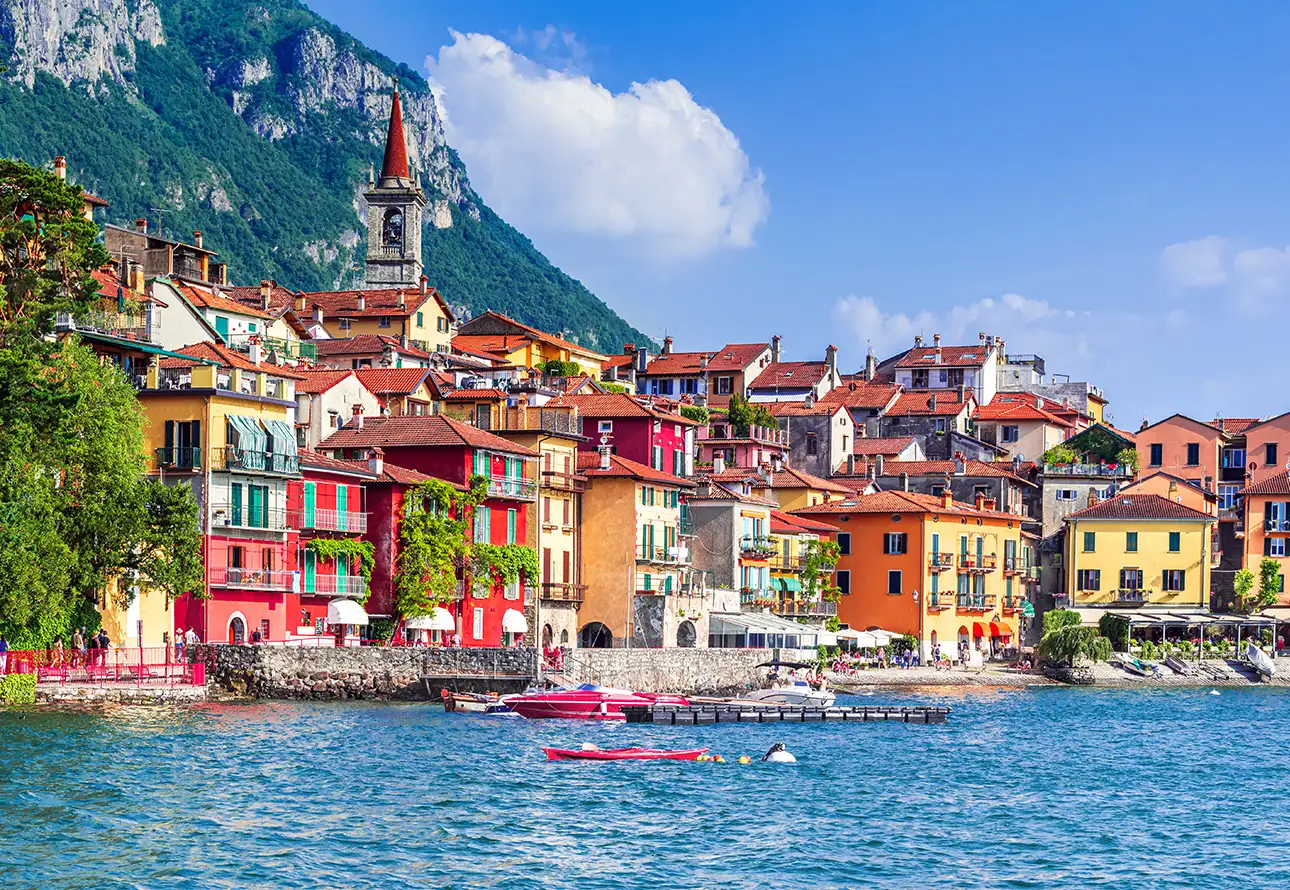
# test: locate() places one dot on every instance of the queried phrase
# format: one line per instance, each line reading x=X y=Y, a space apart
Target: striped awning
x=281 y=437
x=251 y=436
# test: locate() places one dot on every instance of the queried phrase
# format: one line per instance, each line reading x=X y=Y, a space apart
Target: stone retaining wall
x=360 y=672
x=684 y=671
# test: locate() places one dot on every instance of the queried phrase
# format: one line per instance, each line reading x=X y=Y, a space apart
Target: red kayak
x=621 y=754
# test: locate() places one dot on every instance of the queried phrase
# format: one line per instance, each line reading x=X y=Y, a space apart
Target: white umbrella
x=438 y=619
x=848 y=634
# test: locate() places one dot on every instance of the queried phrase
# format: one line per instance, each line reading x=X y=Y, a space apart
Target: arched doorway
x=548 y=636
x=237 y=629
x=595 y=636
x=686 y=635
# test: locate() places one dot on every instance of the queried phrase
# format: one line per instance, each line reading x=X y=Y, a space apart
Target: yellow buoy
x=719 y=759
x=744 y=758
x=702 y=758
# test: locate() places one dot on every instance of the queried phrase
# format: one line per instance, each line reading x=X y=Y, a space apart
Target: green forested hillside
x=175 y=133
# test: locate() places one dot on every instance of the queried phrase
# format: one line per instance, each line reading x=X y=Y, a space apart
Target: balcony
x=1014 y=603
x=559 y=481
x=179 y=458
x=293 y=350
x=756 y=597
x=685 y=526
x=338 y=585
x=796 y=608
x=765 y=435
x=752 y=547
x=512 y=489
x=252 y=579
x=975 y=602
x=1276 y=526
x=664 y=555
x=985 y=563
x=1012 y=565
x=939 y=562
x=563 y=591
x=1119 y=471
x=538 y=420
x=141 y=327
x=939 y=602
x=230 y=457
x=788 y=563
x=224 y=516
x=1130 y=596
x=332 y=521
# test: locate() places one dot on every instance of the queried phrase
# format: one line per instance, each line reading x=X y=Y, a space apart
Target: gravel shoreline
x=1233 y=673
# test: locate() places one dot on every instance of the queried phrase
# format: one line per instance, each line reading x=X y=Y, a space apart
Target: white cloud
x=1262 y=271
x=1196 y=264
x=554 y=151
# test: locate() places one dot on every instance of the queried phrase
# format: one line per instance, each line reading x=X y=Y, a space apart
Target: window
x=1175 y=580
x=383 y=322
x=658 y=458
x=940 y=426
x=1090 y=542
x=1008 y=434
x=1274 y=547
x=440 y=325
x=893 y=582
x=1228 y=496
x=566 y=511
x=510 y=526
x=844 y=582
x=1157 y=455
x=477 y=631
x=1234 y=458
x=1130 y=542
x=895 y=543
x=483 y=521
x=1270 y=454
x=938 y=490
x=812 y=444
x=1130 y=579
x=678 y=463
x=844 y=543
x=1067 y=494
x=725 y=386
x=1193 y=454
x=1175 y=542
x=421 y=319
x=605 y=426
x=1088 y=579
x=344 y=323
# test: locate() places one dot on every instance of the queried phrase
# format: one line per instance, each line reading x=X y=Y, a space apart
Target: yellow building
x=793 y=537
x=1139 y=551
x=496 y=335
x=420 y=315
x=137 y=616
x=556 y=536
x=634 y=558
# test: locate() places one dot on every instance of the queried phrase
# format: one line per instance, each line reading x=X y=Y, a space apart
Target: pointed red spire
x=396 y=150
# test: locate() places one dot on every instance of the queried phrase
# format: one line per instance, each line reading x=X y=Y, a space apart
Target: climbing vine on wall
x=507 y=561
x=358 y=553
x=820 y=557
x=434 y=542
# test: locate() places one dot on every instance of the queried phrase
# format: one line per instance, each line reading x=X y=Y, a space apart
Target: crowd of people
x=908 y=658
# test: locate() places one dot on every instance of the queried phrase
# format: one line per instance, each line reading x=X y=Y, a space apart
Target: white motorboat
x=1261 y=660
x=796 y=692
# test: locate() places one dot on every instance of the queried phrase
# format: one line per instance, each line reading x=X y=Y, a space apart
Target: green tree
x=742 y=413
x=1243 y=585
x=1060 y=454
x=818 y=562
x=1127 y=457
x=697 y=413
x=1072 y=643
x=1269 y=583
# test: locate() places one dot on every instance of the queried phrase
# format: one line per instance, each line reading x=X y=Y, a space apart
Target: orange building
x=1180 y=445
x=1267 y=448
x=1175 y=488
x=1267 y=525
x=944 y=571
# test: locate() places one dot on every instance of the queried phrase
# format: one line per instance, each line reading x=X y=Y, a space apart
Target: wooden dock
x=706 y=713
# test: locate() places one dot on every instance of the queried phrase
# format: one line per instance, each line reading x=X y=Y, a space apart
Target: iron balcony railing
x=291 y=349
x=1012 y=565
x=764 y=434
x=685 y=526
x=1276 y=525
x=338 y=585
x=755 y=596
x=788 y=562
x=563 y=591
x=332 y=520
x=793 y=608
x=242 y=516
x=757 y=546
x=973 y=563
x=230 y=457
x=664 y=554
x=255 y=579
x=1121 y=471
x=975 y=602
x=1131 y=595
x=536 y=419
x=561 y=481
x=939 y=562
x=179 y=458
x=1013 y=603
x=940 y=601
x=138 y=326
x=515 y=489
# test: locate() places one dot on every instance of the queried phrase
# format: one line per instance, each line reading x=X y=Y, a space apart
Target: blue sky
x=1099 y=183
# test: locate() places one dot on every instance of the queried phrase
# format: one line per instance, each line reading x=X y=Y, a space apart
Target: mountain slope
x=256 y=122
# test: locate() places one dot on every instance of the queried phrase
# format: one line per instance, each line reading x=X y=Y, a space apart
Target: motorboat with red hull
x=585 y=702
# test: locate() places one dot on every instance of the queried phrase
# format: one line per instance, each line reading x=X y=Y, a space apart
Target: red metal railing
x=148 y=666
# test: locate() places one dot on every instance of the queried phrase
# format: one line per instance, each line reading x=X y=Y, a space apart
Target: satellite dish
x=604 y=440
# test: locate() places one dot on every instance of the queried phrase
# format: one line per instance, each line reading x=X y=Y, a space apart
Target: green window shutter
x=1007 y=587
x=642 y=495
x=221 y=327
x=311 y=501
x=510 y=526
x=1090 y=541
x=648 y=580
x=256 y=506
x=644 y=541
x=936 y=582
x=235 y=503
x=963 y=542
x=342 y=505
x=310 y=568
x=936 y=546
x=980 y=550
x=1175 y=542
x=342 y=572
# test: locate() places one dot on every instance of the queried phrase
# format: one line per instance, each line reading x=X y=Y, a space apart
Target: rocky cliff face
x=81 y=41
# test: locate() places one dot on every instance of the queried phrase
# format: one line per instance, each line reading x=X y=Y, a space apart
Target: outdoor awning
x=284 y=441
x=514 y=622
x=793 y=584
x=848 y=634
x=438 y=619
x=251 y=436
x=345 y=611
x=1000 y=630
x=764 y=623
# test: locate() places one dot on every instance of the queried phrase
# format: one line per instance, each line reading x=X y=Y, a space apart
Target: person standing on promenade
x=78 y=646
x=179 y=644
x=4 y=655
x=104 y=645
x=190 y=638
x=58 y=652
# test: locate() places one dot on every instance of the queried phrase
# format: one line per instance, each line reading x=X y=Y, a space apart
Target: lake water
x=1038 y=788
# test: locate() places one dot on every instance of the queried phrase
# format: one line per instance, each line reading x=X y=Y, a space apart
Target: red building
x=636 y=431
x=485 y=614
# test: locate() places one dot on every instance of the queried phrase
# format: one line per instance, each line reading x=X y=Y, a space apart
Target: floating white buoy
x=777 y=754
x=1215 y=692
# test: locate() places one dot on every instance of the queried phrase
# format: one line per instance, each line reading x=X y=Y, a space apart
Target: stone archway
x=595 y=636
x=237 y=629
x=686 y=635
x=548 y=636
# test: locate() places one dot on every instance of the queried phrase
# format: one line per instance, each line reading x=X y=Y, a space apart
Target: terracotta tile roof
x=1174 y=417
x=206 y=297
x=1234 y=425
x=616 y=404
x=784 y=524
x=589 y=466
x=862 y=394
x=430 y=430
x=721 y=491
x=491 y=345
x=788 y=477
x=281 y=299
x=1138 y=506
x=790 y=374
x=95 y=199
x=1278 y=484
x=526 y=330
x=314 y=460
x=109 y=282
x=404 y=476
x=392 y=381
x=472 y=395
x=883 y=445
x=225 y=358
x=377 y=302
x=946 y=404
x=955 y=356
x=366 y=344
x=1013 y=407
x=800 y=409
x=319 y=381
x=899 y=502
x=1190 y=483
x=729 y=358
x=618 y=361
x=946 y=468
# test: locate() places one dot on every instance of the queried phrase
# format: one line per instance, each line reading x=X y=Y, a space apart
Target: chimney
x=318 y=313
x=388 y=355
x=774 y=347
x=60 y=168
x=141 y=226
x=831 y=360
x=300 y=303
x=879 y=461
x=1173 y=491
x=423 y=285
x=376 y=462
x=981 y=337
x=947 y=496
x=667 y=345
x=1092 y=497
x=851 y=464
x=641 y=357
x=936 y=341
x=254 y=352
x=703 y=362
x=1145 y=423
x=139 y=282
x=629 y=348
x=918 y=340
x=809 y=401
x=870 y=365
x=358 y=417
x=718 y=463
x=931 y=403
x=402 y=302
x=904 y=482
x=403 y=340
x=604 y=457
x=266 y=292
x=197 y=238
x=777 y=462
x=962 y=393
x=960 y=466
x=362 y=301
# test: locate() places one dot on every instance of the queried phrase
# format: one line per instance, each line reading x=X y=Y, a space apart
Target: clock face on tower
x=392 y=231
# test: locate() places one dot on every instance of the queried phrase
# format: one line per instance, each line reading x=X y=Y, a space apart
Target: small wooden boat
x=474 y=703
x=594 y=753
x=1261 y=661
x=1178 y=666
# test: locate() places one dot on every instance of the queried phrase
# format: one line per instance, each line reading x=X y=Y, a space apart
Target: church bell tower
x=394 y=206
